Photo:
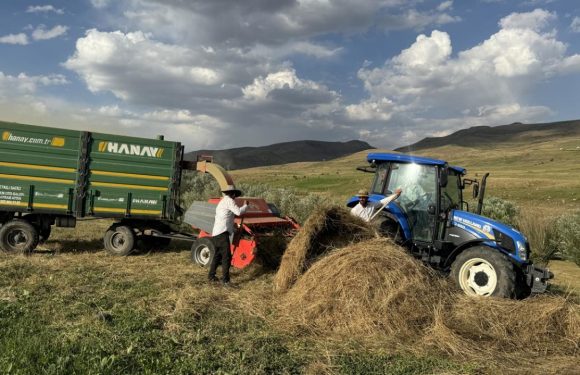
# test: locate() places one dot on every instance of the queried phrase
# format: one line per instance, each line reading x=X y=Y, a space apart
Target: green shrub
x=566 y=237
x=539 y=231
x=501 y=210
x=289 y=201
x=197 y=187
x=201 y=187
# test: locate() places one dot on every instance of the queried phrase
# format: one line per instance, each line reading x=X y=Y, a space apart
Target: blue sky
x=230 y=73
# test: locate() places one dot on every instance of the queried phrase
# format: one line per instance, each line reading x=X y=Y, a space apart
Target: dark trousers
x=222 y=255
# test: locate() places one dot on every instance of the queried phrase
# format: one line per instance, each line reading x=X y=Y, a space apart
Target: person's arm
x=238 y=211
x=244 y=208
x=391 y=197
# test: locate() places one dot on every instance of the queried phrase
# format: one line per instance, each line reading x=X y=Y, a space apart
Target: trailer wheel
x=119 y=240
x=483 y=271
x=18 y=236
x=202 y=252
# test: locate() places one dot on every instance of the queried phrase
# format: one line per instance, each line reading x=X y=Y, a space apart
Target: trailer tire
x=202 y=251
x=483 y=271
x=119 y=240
x=18 y=236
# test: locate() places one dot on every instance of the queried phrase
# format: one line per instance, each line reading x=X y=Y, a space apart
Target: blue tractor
x=432 y=220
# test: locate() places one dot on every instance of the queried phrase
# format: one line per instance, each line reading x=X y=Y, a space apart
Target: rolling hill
x=484 y=136
x=281 y=153
x=538 y=167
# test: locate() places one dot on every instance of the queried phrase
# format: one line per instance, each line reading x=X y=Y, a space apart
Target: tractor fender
x=466 y=245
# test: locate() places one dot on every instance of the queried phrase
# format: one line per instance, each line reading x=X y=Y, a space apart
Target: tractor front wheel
x=483 y=271
x=202 y=251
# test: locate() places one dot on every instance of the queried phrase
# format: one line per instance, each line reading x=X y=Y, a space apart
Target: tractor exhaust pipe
x=481 y=194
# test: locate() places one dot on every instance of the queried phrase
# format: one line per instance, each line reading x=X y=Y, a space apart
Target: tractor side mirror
x=475 y=193
x=443 y=176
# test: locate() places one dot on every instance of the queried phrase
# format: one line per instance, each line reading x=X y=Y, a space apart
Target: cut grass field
x=71 y=308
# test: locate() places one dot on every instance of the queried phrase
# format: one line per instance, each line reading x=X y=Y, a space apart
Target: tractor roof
x=403 y=158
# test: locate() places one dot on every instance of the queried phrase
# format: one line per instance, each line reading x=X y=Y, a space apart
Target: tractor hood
x=502 y=236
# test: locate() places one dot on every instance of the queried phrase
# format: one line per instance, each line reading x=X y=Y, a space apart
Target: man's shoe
x=229 y=285
x=213 y=280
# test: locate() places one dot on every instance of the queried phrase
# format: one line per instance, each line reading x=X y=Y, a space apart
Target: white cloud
x=41 y=33
x=24 y=84
x=380 y=110
x=136 y=68
x=262 y=88
x=21 y=39
x=100 y=4
x=445 y=6
x=269 y=23
x=428 y=90
x=536 y=20
x=575 y=25
x=43 y=9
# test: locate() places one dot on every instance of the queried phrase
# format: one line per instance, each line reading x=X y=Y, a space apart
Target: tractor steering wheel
x=426 y=197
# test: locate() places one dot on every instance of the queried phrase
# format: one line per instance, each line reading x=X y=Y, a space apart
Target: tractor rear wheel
x=483 y=271
x=18 y=236
x=202 y=251
x=119 y=240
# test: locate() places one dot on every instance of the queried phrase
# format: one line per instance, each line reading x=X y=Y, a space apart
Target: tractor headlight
x=522 y=250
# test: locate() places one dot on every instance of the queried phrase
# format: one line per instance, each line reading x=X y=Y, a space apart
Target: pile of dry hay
x=374 y=291
x=368 y=289
x=324 y=230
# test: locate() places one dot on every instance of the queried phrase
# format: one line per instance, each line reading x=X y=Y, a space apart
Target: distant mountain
x=280 y=153
x=487 y=135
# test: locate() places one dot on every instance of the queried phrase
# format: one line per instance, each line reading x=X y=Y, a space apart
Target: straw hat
x=362 y=193
x=232 y=189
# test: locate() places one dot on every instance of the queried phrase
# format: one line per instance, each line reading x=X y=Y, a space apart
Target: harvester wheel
x=483 y=271
x=202 y=251
x=18 y=236
x=119 y=240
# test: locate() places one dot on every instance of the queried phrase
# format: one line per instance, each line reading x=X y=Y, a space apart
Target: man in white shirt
x=223 y=232
x=365 y=209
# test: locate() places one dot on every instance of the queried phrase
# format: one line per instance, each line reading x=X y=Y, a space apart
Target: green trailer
x=51 y=176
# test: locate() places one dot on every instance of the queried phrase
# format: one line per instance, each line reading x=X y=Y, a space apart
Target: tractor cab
x=432 y=220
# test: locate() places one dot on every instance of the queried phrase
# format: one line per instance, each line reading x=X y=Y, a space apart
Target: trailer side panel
x=38 y=168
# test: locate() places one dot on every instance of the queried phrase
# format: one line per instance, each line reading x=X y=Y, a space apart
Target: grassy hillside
x=544 y=173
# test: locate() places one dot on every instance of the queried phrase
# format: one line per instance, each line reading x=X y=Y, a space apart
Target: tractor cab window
x=419 y=185
x=380 y=178
x=451 y=194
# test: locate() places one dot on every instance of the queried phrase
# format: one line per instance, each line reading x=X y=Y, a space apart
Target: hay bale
x=368 y=289
x=375 y=292
x=325 y=229
x=483 y=327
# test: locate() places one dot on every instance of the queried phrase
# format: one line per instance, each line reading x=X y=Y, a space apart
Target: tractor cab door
x=419 y=185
